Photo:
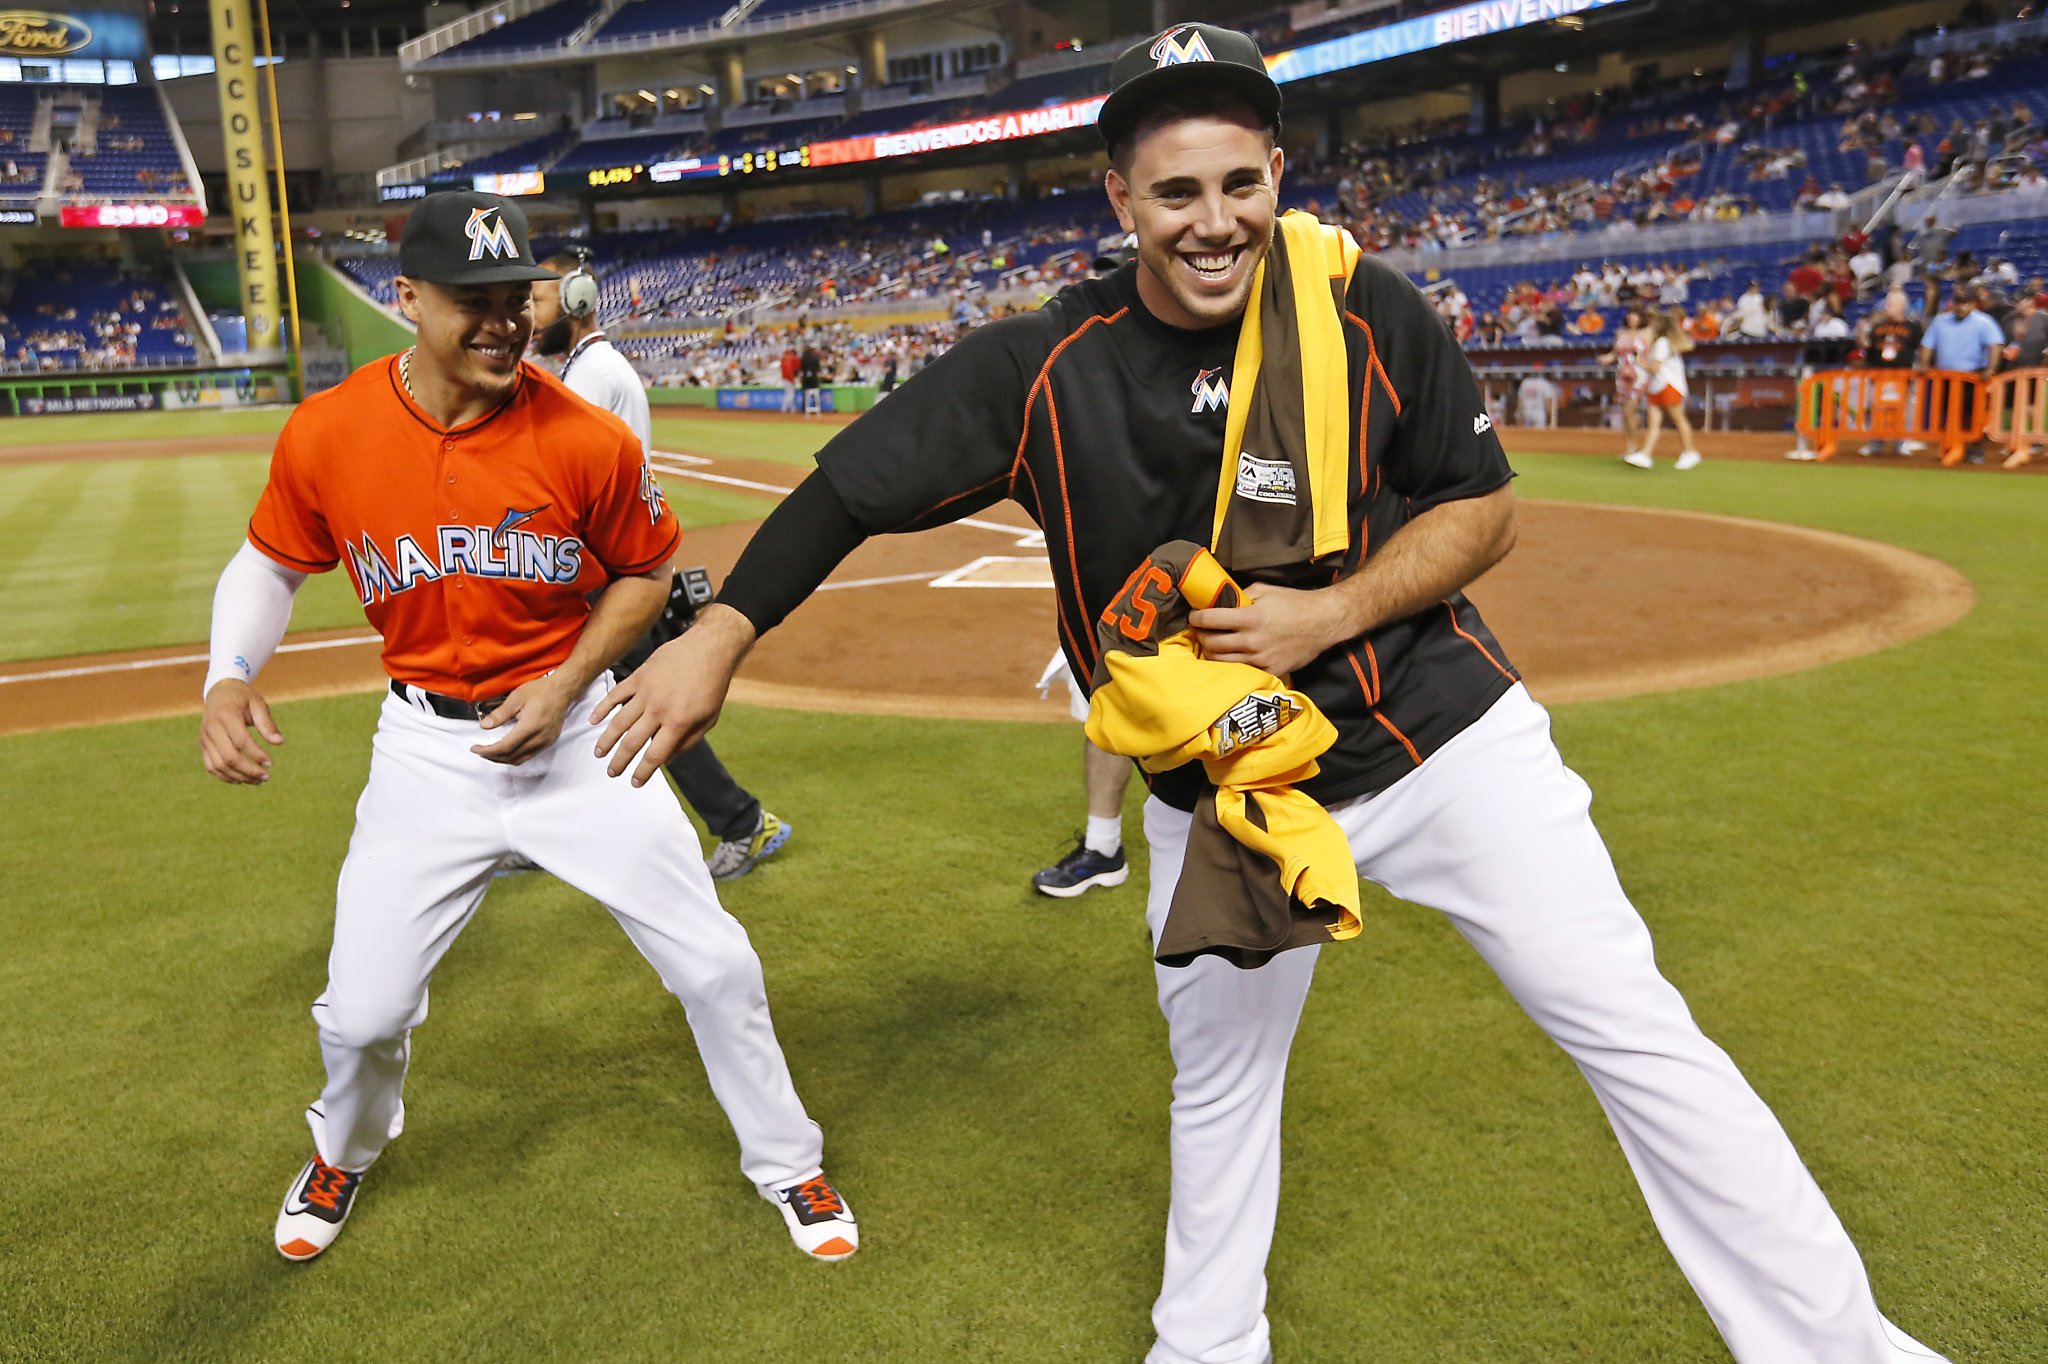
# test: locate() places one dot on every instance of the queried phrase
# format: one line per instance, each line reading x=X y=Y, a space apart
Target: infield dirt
x=1596 y=601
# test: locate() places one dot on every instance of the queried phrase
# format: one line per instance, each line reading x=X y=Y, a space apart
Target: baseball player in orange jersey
x=1352 y=477
x=475 y=501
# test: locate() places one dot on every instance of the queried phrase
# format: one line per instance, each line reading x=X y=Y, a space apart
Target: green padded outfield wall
x=362 y=329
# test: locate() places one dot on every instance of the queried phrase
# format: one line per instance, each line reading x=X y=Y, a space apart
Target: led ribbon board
x=1420 y=34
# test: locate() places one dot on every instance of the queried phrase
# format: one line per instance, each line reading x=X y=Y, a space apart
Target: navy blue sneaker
x=1080 y=870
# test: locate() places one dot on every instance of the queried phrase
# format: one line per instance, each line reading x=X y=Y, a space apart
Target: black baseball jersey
x=1892 y=345
x=1106 y=425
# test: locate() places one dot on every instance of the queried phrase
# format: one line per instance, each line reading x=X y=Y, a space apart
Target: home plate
x=1000 y=570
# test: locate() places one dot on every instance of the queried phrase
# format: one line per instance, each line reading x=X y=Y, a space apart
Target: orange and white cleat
x=818 y=1219
x=315 y=1206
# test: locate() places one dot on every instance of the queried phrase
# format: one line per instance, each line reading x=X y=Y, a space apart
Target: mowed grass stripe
x=98 y=428
x=35 y=502
x=113 y=555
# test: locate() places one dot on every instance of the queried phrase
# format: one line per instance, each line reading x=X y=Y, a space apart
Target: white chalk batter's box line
x=984 y=572
x=1025 y=537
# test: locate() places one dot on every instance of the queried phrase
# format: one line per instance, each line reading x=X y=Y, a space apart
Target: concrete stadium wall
x=342 y=116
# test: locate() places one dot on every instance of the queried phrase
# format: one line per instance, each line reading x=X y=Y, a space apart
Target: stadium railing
x=1942 y=407
x=2016 y=408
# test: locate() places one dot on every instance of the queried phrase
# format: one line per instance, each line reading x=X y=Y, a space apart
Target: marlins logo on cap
x=462 y=237
x=1179 y=45
x=1186 y=58
x=488 y=238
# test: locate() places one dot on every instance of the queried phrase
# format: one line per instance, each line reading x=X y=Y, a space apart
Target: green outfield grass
x=1841 y=867
x=122 y=554
x=91 y=428
x=794 y=442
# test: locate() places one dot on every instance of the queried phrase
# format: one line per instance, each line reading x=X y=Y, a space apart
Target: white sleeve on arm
x=251 y=608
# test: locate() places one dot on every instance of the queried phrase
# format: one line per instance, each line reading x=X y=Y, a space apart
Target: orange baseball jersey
x=470 y=549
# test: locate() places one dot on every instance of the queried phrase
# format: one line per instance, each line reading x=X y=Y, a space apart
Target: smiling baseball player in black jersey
x=1253 y=386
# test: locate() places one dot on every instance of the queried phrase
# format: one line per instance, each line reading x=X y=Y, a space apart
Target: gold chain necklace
x=405 y=372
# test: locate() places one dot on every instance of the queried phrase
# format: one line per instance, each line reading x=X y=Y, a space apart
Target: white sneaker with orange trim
x=315 y=1206
x=818 y=1219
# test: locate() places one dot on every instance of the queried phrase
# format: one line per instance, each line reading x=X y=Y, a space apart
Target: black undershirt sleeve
x=795 y=550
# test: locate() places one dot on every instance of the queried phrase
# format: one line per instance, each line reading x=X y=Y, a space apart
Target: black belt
x=447 y=707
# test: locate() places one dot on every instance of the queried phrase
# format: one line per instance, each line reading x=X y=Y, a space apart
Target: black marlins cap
x=462 y=237
x=1184 y=56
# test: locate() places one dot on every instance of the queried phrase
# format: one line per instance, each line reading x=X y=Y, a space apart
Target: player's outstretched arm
x=673 y=699
x=251 y=608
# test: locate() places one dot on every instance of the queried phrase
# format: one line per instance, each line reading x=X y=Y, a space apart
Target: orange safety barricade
x=1941 y=407
x=2016 y=406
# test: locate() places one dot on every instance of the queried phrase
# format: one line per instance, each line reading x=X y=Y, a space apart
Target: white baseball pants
x=1495 y=831
x=433 y=824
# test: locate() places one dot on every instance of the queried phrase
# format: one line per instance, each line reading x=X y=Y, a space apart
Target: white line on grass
x=1027 y=537
x=178 y=660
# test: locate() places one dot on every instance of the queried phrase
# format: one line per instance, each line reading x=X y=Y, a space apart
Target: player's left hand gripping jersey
x=1267 y=868
x=471 y=549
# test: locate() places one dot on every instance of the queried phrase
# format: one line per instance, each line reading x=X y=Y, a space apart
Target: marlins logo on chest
x=503 y=552
x=1211 y=390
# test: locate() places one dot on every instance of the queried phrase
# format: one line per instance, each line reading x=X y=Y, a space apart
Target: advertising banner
x=1421 y=34
x=90 y=402
x=248 y=186
x=974 y=132
x=130 y=215
x=95 y=35
x=767 y=399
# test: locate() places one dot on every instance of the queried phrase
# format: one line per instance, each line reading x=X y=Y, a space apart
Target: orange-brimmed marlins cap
x=1185 y=56
x=463 y=237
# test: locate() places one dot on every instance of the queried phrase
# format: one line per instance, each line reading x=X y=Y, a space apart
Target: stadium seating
x=538 y=155
x=21 y=170
x=547 y=27
x=66 y=314
x=133 y=155
x=638 y=18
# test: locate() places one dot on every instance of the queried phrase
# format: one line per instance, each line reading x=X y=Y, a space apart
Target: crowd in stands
x=65 y=316
x=829 y=352
x=1618 y=159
